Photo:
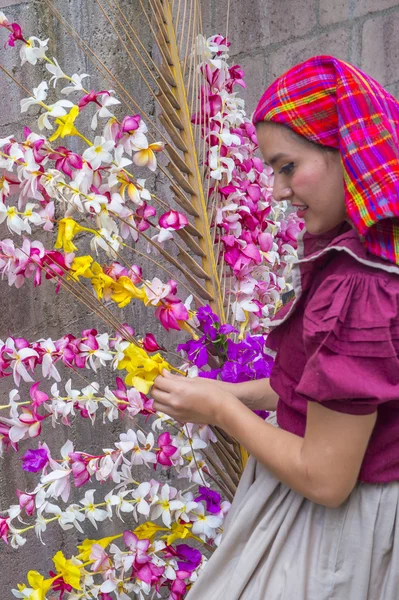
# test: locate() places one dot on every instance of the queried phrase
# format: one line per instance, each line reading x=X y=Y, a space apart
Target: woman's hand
x=190 y=400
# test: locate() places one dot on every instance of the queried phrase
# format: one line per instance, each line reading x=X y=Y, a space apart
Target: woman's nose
x=281 y=193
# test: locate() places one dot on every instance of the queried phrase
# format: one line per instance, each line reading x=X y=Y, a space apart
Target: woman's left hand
x=189 y=400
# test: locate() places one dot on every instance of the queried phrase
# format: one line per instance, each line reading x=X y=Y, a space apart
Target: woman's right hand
x=256 y=395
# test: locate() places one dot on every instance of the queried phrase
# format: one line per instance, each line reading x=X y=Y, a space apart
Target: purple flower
x=212 y=374
x=209 y=322
x=234 y=372
x=226 y=329
x=191 y=556
x=196 y=351
x=35 y=460
x=211 y=498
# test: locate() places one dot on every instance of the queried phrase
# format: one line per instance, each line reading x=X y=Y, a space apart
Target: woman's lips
x=301 y=210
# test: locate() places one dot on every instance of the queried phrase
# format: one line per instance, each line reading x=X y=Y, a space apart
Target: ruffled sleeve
x=351 y=338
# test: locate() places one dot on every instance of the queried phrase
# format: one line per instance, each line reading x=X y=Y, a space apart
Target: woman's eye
x=287 y=169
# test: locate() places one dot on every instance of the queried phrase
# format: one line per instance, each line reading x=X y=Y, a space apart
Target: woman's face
x=309 y=178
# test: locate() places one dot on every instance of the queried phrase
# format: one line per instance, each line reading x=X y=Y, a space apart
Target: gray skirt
x=277 y=545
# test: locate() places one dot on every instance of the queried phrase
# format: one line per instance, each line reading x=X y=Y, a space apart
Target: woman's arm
x=323 y=466
x=257 y=395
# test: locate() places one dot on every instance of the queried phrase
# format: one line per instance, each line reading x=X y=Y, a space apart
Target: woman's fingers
x=160 y=395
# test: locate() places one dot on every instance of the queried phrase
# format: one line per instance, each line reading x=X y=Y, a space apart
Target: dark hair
x=299 y=138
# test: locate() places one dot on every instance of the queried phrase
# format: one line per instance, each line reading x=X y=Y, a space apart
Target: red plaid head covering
x=335 y=104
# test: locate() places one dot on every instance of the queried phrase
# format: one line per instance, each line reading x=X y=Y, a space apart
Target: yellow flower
x=67 y=229
x=148 y=530
x=142 y=369
x=66 y=125
x=124 y=290
x=69 y=572
x=179 y=531
x=81 y=267
x=101 y=282
x=39 y=585
x=87 y=545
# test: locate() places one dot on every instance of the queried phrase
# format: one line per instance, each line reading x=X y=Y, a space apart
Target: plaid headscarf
x=335 y=104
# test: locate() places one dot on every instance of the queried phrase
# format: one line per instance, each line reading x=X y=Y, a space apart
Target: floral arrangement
x=94 y=196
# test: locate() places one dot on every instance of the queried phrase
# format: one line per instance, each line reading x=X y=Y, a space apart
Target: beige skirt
x=277 y=545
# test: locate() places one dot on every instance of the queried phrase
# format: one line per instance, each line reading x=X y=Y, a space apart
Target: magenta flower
x=15 y=34
x=173 y=220
x=35 y=460
x=129 y=125
x=166 y=450
x=91 y=97
x=4 y=528
x=65 y=160
x=59 y=585
x=170 y=312
x=142 y=214
x=177 y=589
x=150 y=343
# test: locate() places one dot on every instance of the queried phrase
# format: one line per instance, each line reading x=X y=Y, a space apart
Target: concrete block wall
x=268 y=37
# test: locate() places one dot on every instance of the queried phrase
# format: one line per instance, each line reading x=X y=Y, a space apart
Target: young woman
x=316 y=513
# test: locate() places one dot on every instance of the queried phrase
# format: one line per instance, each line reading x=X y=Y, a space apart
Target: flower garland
x=102 y=200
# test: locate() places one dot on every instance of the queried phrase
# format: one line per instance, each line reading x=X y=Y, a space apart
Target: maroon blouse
x=337 y=343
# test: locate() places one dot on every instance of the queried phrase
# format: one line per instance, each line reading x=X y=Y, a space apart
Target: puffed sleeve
x=351 y=338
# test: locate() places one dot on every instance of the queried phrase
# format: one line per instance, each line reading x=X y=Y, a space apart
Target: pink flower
x=265 y=241
x=150 y=574
x=137 y=547
x=37 y=396
x=27 y=502
x=79 y=467
x=173 y=220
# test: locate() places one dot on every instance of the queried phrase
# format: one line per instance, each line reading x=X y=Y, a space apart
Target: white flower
x=56 y=71
x=99 y=153
x=204 y=525
x=14 y=221
x=53 y=110
x=15 y=153
x=39 y=95
x=76 y=84
x=165 y=505
x=92 y=513
x=105 y=100
x=31 y=52
x=29 y=216
x=139 y=495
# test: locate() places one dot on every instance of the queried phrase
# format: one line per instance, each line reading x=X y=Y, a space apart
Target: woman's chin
x=316 y=227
